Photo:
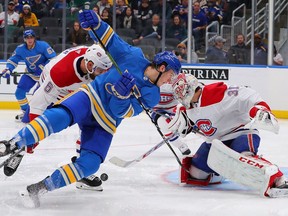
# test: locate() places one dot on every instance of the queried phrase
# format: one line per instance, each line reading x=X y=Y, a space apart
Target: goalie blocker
x=252 y=171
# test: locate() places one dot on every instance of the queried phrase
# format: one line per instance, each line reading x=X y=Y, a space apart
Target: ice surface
x=146 y=188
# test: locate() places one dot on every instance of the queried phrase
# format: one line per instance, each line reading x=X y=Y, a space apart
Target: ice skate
x=11 y=167
x=31 y=196
x=92 y=182
x=18 y=118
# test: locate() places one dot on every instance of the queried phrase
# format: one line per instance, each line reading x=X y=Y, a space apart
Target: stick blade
x=119 y=162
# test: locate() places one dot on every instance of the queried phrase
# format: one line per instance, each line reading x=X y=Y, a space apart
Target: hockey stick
x=123 y=163
x=147 y=111
x=5 y=162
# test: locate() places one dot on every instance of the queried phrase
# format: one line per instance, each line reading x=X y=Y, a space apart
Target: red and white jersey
x=223 y=110
x=61 y=76
x=167 y=101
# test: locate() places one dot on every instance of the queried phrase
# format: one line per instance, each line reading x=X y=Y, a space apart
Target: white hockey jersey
x=222 y=111
x=60 y=77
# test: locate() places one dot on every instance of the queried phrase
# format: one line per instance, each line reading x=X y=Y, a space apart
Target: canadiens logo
x=206 y=127
x=166 y=98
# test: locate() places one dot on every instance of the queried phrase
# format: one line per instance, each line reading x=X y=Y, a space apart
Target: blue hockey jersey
x=107 y=109
x=35 y=58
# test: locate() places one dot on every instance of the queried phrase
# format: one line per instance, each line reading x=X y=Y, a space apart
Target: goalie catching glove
x=262 y=118
x=181 y=122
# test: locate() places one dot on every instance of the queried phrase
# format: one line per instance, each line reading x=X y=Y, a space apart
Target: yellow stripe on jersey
x=69 y=173
x=106 y=121
x=23 y=101
x=129 y=112
x=107 y=35
x=37 y=127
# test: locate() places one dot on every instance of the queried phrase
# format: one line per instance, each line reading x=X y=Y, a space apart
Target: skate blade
x=82 y=186
x=27 y=201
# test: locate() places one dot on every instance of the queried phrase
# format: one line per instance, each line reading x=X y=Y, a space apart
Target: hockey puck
x=104 y=177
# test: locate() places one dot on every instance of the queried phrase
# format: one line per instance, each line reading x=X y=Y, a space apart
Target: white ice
x=142 y=189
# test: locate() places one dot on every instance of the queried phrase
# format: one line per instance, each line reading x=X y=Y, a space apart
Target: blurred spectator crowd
x=138 y=22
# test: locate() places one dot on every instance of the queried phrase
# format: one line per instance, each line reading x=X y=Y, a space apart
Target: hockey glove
x=262 y=118
x=5 y=73
x=181 y=122
x=89 y=19
x=122 y=88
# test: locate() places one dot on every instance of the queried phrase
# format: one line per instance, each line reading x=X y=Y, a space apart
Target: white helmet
x=97 y=55
x=184 y=87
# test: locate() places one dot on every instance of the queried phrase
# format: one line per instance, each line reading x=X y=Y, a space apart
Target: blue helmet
x=28 y=32
x=170 y=59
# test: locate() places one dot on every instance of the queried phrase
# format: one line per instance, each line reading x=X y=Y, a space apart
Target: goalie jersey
x=218 y=98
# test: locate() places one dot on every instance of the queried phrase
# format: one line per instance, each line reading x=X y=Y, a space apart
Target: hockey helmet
x=28 y=33
x=98 y=56
x=184 y=87
x=170 y=59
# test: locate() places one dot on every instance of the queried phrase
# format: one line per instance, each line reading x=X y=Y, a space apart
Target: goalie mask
x=98 y=57
x=184 y=87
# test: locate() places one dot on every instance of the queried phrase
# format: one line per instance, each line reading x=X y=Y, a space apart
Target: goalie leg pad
x=253 y=172
x=197 y=176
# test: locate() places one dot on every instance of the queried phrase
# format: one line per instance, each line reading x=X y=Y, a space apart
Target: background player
x=35 y=54
x=98 y=108
x=223 y=114
x=61 y=76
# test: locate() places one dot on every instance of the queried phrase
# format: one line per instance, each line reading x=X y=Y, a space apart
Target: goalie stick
x=123 y=163
x=17 y=152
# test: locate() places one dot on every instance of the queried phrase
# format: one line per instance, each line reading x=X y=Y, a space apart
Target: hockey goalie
x=229 y=118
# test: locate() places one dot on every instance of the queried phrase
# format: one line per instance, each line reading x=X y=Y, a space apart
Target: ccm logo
x=251 y=162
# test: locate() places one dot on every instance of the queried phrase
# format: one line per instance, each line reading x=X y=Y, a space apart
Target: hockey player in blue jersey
x=98 y=108
x=35 y=54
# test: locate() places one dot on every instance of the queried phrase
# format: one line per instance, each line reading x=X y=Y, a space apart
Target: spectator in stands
x=260 y=51
x=27 y=18
x=239 y=53
x=120 y=11
x=212 y=12
x=144 y=12
x=181 y=53
x=40 y=9
x=126 y=2
x=106 y=16
x=277 y=59
x=182 y=11
x=157 y=9
x=102 y=4
x=152 y=31
x=215 y=54
x=229 y=7
x=77 y=35
x=96 y=9
x=12 y=16
x=199 y=25
x=176 y=30
x=18 y=6
x=130 y=21
x=59 y=4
